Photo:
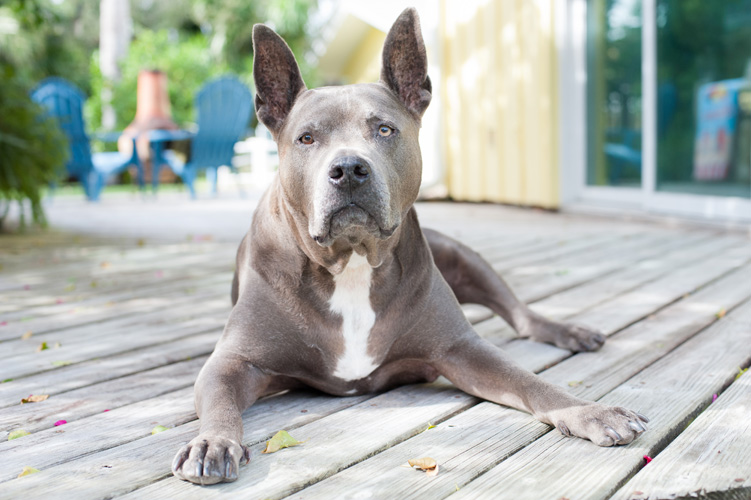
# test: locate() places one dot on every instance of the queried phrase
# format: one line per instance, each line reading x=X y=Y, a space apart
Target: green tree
x=188 y=64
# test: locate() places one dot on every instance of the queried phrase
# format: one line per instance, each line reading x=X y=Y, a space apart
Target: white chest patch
x=351 y=300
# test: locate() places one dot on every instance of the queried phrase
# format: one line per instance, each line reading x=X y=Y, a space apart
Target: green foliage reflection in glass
x=701 y=43
x=614 y=92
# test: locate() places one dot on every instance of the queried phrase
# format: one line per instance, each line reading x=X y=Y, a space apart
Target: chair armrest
x=169 y=135
x=106 y=136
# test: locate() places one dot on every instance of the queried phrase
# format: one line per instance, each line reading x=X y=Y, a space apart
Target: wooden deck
x=128 y=324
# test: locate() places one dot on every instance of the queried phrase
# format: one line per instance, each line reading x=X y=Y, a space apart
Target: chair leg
x=211 y=175
x=96 y=183
x=140 y=175
x=189 y=177
x=85 y=181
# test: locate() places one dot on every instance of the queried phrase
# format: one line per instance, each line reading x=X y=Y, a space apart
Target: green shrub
x=33 y=149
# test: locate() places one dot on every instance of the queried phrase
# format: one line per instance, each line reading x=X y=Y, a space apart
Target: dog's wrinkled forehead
x=327 y=109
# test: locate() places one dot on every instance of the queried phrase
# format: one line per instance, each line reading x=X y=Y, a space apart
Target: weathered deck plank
x=333 y=443
x=91 y=347
x=576 y=304
x=96 y=398
x=711 y=456
x=69 y=315
x=116 y=471
x=671 y=392
x=86 y=290
x=102 y=369
x=658 y=293
x=130 y=423
x=622 y=360
x=128 y=267
x=545 y=284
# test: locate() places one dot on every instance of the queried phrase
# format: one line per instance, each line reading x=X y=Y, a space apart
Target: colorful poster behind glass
x=716 y=127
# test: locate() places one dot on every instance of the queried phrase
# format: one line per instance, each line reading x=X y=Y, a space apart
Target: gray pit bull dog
x=337 y=286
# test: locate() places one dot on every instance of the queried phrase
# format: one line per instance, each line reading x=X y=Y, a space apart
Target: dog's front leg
x=226 y=386
x=479 y=368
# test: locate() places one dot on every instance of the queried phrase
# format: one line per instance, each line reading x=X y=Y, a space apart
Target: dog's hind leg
x=474 y=281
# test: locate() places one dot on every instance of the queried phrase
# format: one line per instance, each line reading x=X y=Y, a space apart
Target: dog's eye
x=306 y=139
x=385 y=131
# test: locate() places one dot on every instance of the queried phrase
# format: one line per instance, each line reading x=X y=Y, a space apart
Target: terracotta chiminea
x=152 y=112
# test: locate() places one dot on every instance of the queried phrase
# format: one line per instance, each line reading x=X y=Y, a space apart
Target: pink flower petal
x=105 y=410
x=60 y=422
x=648 y=459
x=159 y=274
x=3 y=323
x=714 y=397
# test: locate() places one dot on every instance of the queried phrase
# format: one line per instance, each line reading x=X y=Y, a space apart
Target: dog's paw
x=210 y=459
x=603 y=425
x=575 y=338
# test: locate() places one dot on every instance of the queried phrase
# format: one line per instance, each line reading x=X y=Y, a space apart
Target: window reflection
x=704 y=97
x=614 y=92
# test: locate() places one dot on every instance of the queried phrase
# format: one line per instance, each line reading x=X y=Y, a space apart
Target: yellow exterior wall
x=500 y=99
x=365 y=64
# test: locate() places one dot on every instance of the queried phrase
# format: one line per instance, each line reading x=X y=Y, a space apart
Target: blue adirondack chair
x=223 y=108
x=65 y=102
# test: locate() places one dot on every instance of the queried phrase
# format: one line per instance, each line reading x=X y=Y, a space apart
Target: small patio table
x=157 y=140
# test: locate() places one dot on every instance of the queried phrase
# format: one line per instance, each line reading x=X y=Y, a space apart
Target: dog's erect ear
x=405 y=63
x=277 y=77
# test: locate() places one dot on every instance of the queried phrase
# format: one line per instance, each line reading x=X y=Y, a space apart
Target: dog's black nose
x=349 y=171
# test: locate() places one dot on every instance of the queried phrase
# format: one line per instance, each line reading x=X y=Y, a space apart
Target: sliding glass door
x=667 y=96
x=704 y=97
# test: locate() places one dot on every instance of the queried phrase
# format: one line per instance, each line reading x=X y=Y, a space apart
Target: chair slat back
x=65 y=102
x=223 y=108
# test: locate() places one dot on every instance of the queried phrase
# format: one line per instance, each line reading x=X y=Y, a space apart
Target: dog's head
x=349 y=158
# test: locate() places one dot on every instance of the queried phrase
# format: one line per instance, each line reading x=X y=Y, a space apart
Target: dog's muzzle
x=351 y=202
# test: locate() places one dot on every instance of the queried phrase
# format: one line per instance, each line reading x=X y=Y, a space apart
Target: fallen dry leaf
x=280 y=440
x=28 y=470
x=35 y=398
x=27 y=335
x=427 y=464
x=62 y=363
x=422 y=463
x=17 y=433
x=721 y=313
x=157 y=429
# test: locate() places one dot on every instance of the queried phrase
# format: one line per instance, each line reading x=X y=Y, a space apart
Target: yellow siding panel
x=499 y=72
x=365 y=64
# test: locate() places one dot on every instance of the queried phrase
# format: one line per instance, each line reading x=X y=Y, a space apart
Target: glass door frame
x=571 y=38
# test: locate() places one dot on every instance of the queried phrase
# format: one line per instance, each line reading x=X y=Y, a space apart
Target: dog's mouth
x=351 y=222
